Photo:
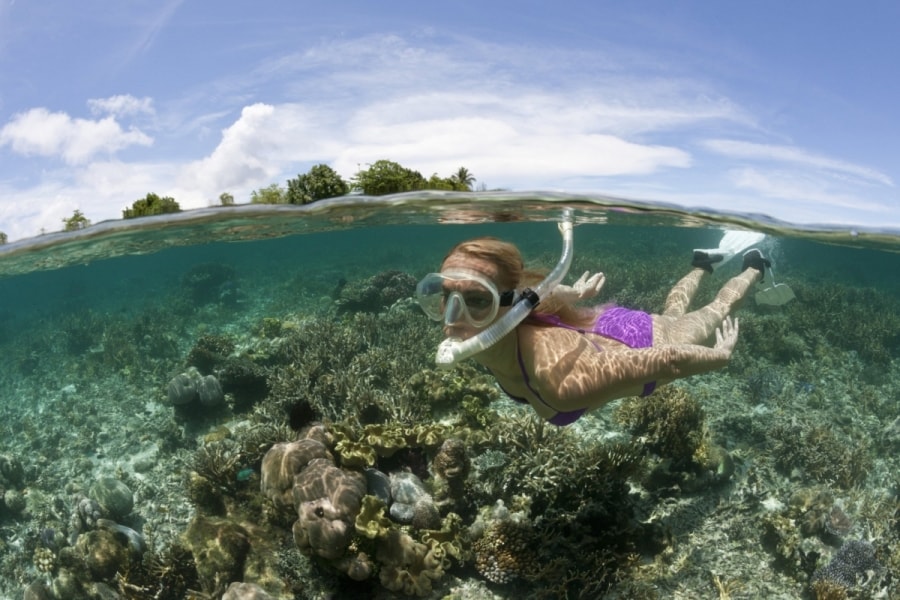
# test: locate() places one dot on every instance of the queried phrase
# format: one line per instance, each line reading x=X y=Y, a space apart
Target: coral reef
x=12 y=474
x=375 y=293
x=412 y=504
x=820 y=454
x=245 y=591
x=352 y=369
x=220 y=548
x=853 y=566
x=451 y=466
x=282 y=463
x=505 y=552
x=113 y=497
x=669 y=422
x=495 y=502
x=408 y=566
x=327 y=499
x=194 y=395
x=239 y=376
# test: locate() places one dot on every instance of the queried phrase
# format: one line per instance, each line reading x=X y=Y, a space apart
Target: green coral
x=450 y=540
x=355 y=455
x=386 y=440
x=371 y=521
x=408 y=566
x=428 y=435
x=447 y=391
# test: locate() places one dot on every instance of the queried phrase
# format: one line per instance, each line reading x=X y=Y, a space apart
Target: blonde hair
x=512 y=275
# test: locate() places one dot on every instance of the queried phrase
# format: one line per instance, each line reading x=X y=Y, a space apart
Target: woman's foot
x=704 y=260
x=753 y=259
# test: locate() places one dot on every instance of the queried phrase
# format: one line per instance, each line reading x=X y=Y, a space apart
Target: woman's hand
x=727 y=335
x=586 y=287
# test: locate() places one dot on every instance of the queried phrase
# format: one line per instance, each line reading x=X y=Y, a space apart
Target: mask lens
x=479 y=304
x=456 y=296
x=430 y=293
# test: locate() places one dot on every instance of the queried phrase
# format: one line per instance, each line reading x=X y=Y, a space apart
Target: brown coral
x=504 y=553
x=282 y=462
x=451 y=461
x=327 y=500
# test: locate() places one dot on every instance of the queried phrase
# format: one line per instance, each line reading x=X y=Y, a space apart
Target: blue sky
x=782 y=108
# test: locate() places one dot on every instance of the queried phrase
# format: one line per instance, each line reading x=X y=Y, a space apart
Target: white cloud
x=805 y=189
x=505 y=140
x=263 y=144
x=44 y=133
x=121 y=105
x=794 y=155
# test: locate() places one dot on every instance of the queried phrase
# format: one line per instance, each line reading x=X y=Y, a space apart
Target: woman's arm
x=582 y=377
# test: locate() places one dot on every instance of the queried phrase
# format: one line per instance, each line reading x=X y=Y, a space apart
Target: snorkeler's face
x=470 y=306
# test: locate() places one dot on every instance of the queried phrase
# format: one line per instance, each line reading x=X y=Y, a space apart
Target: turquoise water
x=303 y=315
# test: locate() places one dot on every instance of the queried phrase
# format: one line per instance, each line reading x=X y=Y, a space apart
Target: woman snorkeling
x=564 y=360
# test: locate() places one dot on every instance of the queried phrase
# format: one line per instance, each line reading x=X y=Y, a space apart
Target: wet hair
x=511 y=272
x=512 y=275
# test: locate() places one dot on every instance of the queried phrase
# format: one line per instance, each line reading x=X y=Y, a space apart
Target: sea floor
x=806 y=434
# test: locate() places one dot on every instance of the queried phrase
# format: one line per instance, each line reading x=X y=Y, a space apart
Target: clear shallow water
x=93 y=326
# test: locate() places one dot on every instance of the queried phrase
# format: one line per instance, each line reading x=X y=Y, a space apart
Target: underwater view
x=244 y=402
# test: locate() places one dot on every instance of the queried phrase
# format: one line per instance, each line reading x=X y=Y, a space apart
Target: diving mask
x=459 y=295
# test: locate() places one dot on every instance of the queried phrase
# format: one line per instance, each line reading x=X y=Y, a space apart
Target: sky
x=787 y=109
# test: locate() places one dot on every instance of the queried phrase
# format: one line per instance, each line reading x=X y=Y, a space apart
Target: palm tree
x=463 y=179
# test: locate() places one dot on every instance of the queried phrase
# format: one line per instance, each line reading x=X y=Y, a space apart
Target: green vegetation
x=151 y=205
x=268 y=195
x=226 y=199
x=3 y=238
x=318 y=183
x=463 y=180
x=387 y=177
x=76 y=222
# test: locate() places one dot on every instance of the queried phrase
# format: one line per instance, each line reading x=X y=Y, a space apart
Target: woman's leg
x=682 y=294
x=698 y=326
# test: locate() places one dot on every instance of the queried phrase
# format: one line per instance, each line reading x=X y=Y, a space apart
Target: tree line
x=320 y=182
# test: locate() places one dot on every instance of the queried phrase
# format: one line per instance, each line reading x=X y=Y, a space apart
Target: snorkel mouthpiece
x=453 y=350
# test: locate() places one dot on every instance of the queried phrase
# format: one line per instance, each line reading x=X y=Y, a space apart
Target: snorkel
x=453 y=350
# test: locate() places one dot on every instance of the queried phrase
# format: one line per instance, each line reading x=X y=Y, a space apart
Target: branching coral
x=669 y=422
x=820 y=453
x=375 y=293
x=355 y=369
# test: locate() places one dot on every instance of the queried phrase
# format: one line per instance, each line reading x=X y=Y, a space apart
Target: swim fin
x=733 y=243
x=774 y=294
